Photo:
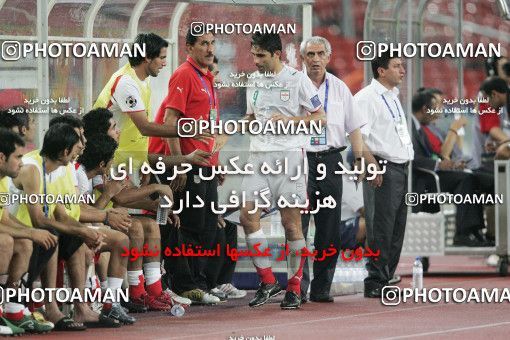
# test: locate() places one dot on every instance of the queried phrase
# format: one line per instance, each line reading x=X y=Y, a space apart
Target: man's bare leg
x=269 y=287
x=291 y=221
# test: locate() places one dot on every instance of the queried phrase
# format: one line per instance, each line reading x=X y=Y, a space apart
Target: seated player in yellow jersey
x=145 y=286
x=44 y=172
x=75 y=252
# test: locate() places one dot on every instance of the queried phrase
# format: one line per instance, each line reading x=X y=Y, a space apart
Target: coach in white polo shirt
x=325 y=149
x=387 y=138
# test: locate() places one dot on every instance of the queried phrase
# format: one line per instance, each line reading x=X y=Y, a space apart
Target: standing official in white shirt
x=387 y=138
x=325 y=149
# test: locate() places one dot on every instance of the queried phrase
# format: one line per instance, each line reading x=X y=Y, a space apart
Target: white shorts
x=290 y=185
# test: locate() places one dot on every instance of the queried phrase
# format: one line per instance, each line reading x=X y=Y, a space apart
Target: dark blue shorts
x=348 y=231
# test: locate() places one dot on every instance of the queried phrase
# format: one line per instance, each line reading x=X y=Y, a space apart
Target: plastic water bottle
x=417 y=274
x=177 y=310
x=162 y=213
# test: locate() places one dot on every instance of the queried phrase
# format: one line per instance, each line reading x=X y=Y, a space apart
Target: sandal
x=103 y=322
x=68 y=324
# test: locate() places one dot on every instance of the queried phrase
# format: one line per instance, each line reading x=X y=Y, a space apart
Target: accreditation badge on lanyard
x=322 y=139
x=400 y=124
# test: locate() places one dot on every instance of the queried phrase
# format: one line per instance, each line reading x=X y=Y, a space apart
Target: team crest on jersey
x=131 y=101
x=285 y=95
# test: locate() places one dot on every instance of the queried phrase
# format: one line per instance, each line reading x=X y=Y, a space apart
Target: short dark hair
x=101 y=148
x=270 y=42
x=494 y=84
x=435 y=90
x=381 y=61
x=153 y=45
x=58 y=138
x=69 y=120
x=97 y=121
x=19 y=119
x=421 y=99
x=8 y=142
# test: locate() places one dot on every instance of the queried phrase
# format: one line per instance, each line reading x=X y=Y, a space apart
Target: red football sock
x=138 y=290
x=266 y=275
x=294 y=283
x=14 y=316
x=155 y=289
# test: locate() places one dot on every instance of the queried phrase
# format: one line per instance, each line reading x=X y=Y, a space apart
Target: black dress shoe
x=264 y=293
x=321 y=298
x=133 y=307
x=469 y=240
x=291 y=301
x=480 y=236
x=373 y=293
x=304 y=299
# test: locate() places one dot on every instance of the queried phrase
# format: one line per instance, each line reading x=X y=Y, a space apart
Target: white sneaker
x=4 y=330
x=179 y=299
x=210 y=299
x=218 y=293
x=492 y=260
x=231 y=291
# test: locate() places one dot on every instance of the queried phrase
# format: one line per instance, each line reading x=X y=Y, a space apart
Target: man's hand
x=198 y=157
x=165 y=190
x=219 y=142
x=282 y=117
x=119 y=222
x=174 y=220
x=92 y=238
x=179 y=182
x=446 y=164
x=461 y=165
x=503 y=151
x=43 y=238
x=112 y=188
x=221 y=222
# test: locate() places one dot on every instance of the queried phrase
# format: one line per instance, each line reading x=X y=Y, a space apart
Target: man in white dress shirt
x=325 y=149
x=386 y=138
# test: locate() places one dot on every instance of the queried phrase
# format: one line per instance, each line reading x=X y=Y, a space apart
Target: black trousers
x=228 y=266
x=386 y=217
x=199 y=226
x=178 y=273
x=327 y=221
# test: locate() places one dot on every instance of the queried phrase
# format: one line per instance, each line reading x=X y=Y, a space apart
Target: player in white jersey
x=284 y=95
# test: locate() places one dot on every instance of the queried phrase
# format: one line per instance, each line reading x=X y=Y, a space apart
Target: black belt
x=402 y=165
x=326 y=152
